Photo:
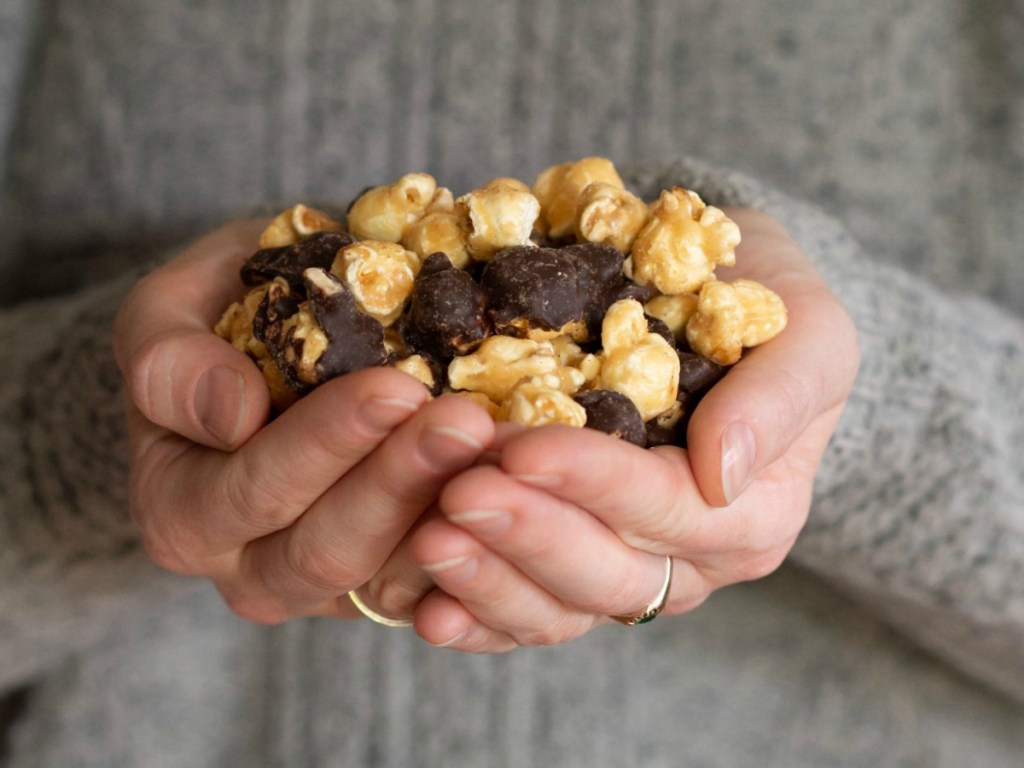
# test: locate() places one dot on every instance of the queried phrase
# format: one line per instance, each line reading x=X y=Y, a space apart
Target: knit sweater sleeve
x=70 y=561
x=919 y=503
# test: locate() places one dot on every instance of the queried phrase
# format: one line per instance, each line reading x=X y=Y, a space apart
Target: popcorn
x=380 y=276
x=679 y=247
x=609 y=214
x=558 y=189
x=571 y=302
x=637 y=363
x=539 y=400
x=500 y=215
x=731 y=316
x=385 y=213
x=290 y=226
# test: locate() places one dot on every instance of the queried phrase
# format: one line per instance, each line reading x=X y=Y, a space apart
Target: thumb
x=197 y=385
x=178 y=373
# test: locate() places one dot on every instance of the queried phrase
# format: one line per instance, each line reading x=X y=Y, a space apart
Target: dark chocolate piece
x=613 y=413
x=697 y=373
x=600 y=280
x=531 y=288
x=291 y=261
x=356 y=339
x=447 y=311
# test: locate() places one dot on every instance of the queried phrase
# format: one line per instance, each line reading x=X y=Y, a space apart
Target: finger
x=497 y=594
x=177 y=372
x=194 y=504
x=752 y=416
x=351 y=530
x=443 y=621
x=567 y=551
x=648 y=497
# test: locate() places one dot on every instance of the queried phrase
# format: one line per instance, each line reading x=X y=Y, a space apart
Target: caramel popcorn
x=290 y=226
x=385 y=213
x=558 y=189
x=679 y=247
x=501 y=215
x=637 y=363
x=731 y=316
x=674 y=311
x=539 y=400
x=499 y=364
x=380 y=275
x=609 y=214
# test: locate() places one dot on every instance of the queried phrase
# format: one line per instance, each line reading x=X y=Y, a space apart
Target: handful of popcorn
x=571 y=302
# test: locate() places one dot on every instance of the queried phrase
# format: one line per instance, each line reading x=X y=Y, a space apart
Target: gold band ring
x=656 y=606
x=373 y=616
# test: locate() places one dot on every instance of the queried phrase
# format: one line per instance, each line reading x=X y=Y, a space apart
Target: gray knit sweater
x=895 y=634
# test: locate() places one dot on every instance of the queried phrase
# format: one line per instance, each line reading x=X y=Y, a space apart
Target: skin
x=433 y=511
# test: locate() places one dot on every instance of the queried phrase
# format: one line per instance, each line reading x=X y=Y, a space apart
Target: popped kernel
x=610 y=215
x=682 y=243
x=299 y=221
x=539 y=400
x=385 y=213
x=558 y=189
x=637 y=363
x=499 y=363
x=440 y=231
x=380 y=276
x=500 y=215
x=674 y=311
x=734 y=316
x=417 y=367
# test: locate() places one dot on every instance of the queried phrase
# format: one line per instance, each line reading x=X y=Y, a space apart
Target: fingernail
x=739 y=450
x=448 y=446
x=455 y=569
x=540 y=481
x=451 y=641
x=219 y=400
x=385 y=413
x=490 y=522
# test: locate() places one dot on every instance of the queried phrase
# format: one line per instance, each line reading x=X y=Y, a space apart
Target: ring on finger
x=656 y=606
x=373 y=616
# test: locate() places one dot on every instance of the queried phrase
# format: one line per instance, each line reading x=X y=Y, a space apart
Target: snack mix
x=571 y=302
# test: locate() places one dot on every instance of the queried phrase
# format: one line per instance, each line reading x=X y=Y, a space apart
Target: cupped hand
x=568 y=527
x=284 y=516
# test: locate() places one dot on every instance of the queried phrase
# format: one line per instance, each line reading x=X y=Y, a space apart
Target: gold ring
x=373 y=616
x=656 y=606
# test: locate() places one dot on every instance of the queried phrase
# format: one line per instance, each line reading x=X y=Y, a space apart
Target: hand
x=570 y=526
x=285 y=517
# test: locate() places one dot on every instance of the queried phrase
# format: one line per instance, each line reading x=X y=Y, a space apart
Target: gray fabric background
x=129 y=126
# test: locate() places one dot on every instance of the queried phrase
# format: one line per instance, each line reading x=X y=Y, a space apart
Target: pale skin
x=489 y=537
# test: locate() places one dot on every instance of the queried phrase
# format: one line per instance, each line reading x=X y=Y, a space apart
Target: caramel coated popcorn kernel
x=637 y=363
x=500 y=215
x=610 y=215
x=290 y=226
x=679 y=247
x=558 y=189
x=380 y=276
x=731 y=316
x=385 y=213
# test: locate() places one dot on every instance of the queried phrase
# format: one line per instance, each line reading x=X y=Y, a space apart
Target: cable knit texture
x=895 y=635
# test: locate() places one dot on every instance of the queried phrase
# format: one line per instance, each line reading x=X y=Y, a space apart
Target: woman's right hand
x=284 y=517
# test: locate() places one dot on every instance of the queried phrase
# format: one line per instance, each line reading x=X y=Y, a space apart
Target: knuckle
x=393 y=596
x=259 y=503
x=256 y=609
x=320 y=568
x=558 y=631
